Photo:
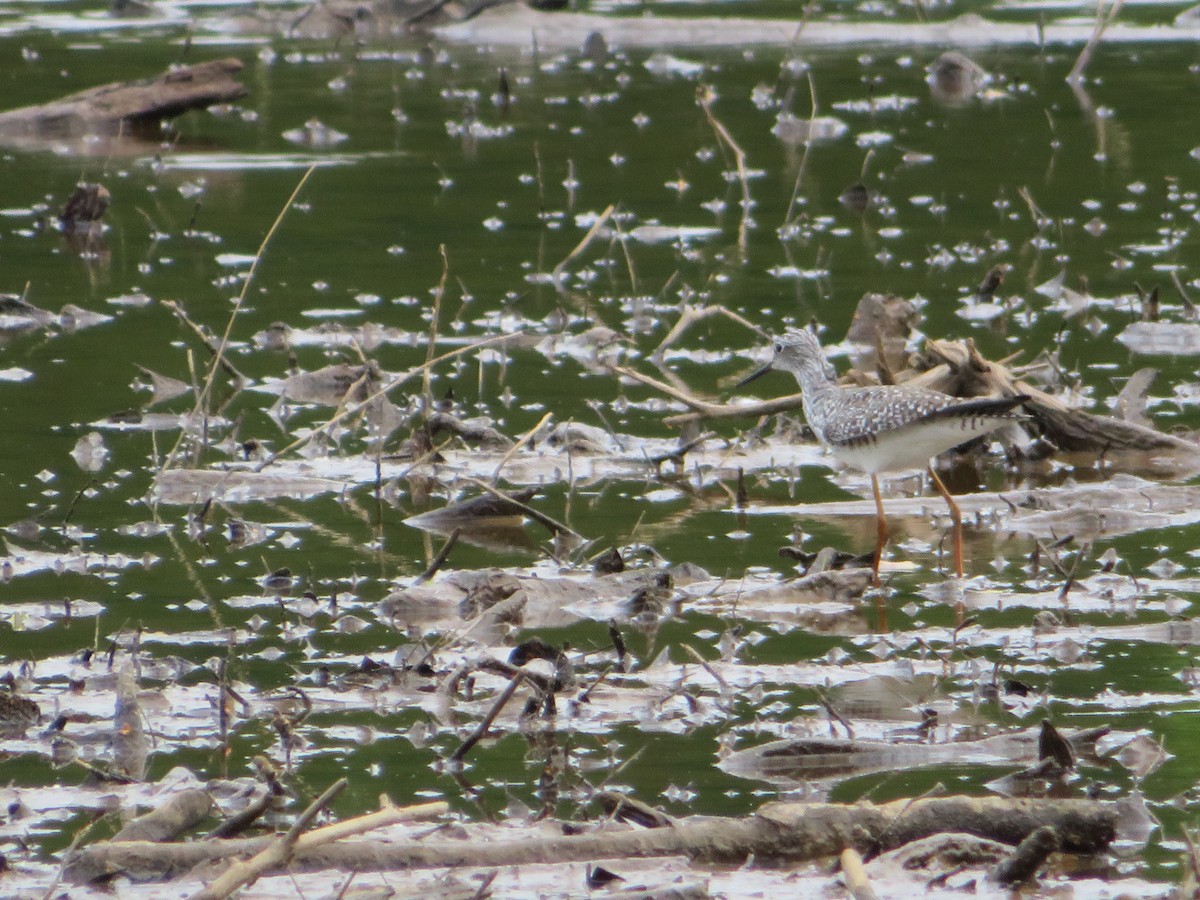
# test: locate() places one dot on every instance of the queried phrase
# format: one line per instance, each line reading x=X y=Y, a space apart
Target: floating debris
x=315 y=133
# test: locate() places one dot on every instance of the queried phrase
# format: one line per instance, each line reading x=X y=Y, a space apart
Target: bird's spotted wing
x=860 y=415
x=863 y=415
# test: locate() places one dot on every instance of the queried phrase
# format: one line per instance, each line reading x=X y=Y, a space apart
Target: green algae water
x=427 y=182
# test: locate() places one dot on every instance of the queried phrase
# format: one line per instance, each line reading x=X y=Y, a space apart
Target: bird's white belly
x=912 y=447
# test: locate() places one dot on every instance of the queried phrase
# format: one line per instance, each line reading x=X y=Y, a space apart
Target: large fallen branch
x=707 y=409
x=779 y=832
x=964 y=372
x=108 y=858
x=111 y=107
x=275 y=855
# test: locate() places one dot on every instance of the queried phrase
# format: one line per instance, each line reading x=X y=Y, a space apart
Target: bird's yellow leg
x=956 y=516
x=881 y=531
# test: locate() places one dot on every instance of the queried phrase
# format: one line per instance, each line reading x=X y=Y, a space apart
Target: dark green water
x=367 y=238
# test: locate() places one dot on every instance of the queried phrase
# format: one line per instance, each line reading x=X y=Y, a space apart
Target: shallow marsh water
x=430 y=161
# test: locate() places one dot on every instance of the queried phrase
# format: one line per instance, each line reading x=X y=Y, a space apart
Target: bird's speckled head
x=798 y=351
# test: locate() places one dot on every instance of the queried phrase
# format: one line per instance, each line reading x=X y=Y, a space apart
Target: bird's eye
x=779 y=348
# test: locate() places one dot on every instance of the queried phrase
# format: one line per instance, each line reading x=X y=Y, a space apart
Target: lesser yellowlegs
x=885 y=428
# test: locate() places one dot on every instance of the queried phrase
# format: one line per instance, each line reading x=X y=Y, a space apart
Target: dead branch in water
x=779 y=832
x=1104 y=18
x=559 y=271
x=272 y=857
x=218 y=352
x=693 y=314
x=705 y=96
x=102 y=860
x=957 y=368
x=541 y=518
x=707 y=409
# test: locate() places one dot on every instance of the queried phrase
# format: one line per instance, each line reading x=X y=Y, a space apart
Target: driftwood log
x=957 y=367
x=178 y=813
x=128 y=104
x=777 y=833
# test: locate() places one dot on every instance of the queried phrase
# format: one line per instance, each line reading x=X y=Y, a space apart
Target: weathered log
x=126 y=104
x=779 y=832
x=1070 y=429
x=789 y=760
x=179 y=812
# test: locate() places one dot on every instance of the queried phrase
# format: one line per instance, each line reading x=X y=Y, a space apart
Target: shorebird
x=885 y=428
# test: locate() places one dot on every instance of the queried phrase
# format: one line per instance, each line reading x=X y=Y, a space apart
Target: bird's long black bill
x=749 y=378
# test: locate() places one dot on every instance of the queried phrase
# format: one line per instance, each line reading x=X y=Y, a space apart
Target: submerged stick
x=482 y=728
x=440 y=559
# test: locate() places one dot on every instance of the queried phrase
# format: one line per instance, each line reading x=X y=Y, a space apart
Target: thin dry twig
x=803 y=167
x=433 y=325
x=704 y=98
x=540 y=517
x=66 y=857
x=219 y=353
x=524 y=439
x=182 y=316
x=387 y=814
x=1040 y=219
x=707 y=667
x=1188 y=306
x=692 y=314
x=558 y=270
x=623 y=240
